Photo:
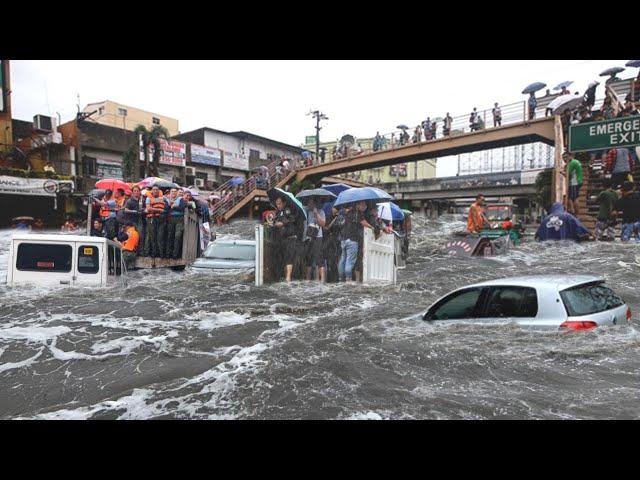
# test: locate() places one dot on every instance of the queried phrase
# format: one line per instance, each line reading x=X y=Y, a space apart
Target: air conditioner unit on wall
x=199 y=182
x=41 y=122
x=190 y=171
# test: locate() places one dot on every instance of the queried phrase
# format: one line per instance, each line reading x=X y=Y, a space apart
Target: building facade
x=117 y=115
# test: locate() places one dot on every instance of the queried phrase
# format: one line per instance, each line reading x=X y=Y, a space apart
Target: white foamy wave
x=33 y=334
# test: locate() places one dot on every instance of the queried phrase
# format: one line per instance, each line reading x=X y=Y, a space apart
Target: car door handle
x=65 y=282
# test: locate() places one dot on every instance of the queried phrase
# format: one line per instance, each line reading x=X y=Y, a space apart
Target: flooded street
x=204 y=346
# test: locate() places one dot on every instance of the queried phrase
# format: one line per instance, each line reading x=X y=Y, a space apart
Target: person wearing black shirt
x=286 y=223
x=629 y=204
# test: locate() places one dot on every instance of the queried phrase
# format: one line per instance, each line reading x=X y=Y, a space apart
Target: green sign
x=310 y=140
x=619 y=132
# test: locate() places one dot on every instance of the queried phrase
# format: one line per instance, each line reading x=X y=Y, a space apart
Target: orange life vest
x=131 y=243
x=155 y=202
x=474 y=220
x=105 y=212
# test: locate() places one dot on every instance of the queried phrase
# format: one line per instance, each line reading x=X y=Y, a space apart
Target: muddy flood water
x=204 y=346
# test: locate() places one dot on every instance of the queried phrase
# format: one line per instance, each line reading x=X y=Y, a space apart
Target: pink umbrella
x=147 y=182
x=113 y=184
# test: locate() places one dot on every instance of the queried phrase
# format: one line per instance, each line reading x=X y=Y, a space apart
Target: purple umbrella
x=236 y=181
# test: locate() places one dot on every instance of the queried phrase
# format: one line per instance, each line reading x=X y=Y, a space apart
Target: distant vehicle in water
x=70 y=260
x=577 y=302
x=228 y=254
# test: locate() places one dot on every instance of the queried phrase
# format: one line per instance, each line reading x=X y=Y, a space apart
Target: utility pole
x=318 y=115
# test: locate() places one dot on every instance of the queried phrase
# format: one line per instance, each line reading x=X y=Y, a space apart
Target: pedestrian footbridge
x=540 y=130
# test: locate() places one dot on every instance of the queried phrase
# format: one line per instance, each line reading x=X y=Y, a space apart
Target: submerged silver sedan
x=576 y=302
x=227 y=255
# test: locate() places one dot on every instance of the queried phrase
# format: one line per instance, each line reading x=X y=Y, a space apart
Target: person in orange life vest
x=156 y=207
x=477 y=220
x=107 y=214
x=507 y=224
x=130 y=245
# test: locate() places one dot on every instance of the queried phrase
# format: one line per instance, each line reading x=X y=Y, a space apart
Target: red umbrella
x=113 y=184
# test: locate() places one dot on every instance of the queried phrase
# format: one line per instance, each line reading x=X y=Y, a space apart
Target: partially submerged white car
x=576 y=302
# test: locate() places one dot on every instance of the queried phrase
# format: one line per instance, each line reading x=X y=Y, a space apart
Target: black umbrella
x=165 y=184
x=611 y=71
x=403 y=127
x=633 y=63
x=315 y=193
x=97 y=193
x=534 y=87
x=562 y=85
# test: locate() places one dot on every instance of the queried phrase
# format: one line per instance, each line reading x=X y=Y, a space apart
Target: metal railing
x=274 y=175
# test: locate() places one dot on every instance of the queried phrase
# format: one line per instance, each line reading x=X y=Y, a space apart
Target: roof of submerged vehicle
x=234 y=241
x=562 y=282
x=57 y=237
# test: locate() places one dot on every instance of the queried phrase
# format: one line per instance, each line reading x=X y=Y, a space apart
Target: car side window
x=505 y=302
x=456 y=306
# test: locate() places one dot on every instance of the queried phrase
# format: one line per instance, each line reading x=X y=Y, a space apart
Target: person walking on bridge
x=497 y=115
x=446 y=128
x=473 y=119
x=533 y=104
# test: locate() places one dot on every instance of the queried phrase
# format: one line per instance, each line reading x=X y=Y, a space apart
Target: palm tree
x=131 y=164
x=151 y=138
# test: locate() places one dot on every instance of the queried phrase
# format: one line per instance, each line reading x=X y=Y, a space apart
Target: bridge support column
x=558 y=179
x=251 y=207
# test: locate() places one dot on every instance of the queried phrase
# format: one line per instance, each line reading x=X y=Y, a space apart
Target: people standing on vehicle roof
x=574 y=174
x=313 y=240
x=97 y=229
x=155 y=207
x=629 y=206
x=606 y=221
x=175 y=225
x=477 y=219
x=134 y=212
x=619 y=162
x=108 y=214
x=561 y=225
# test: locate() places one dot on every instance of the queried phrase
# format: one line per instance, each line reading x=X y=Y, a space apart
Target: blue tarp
x=560 y=225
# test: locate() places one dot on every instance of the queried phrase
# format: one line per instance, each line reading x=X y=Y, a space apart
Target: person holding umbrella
x=108 y=214
x=314 y=257
x=533 y=104
x=287 y=223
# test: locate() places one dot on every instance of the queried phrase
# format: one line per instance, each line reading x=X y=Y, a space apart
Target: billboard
x=400 y=169
x=34 y=186
x=235 y=161
x=308 y=140
x=206 y=155
x=173 y=153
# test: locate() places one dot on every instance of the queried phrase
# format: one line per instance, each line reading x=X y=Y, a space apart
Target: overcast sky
x=272 y=98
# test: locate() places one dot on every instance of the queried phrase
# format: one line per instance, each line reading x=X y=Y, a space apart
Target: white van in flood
x=73 y=260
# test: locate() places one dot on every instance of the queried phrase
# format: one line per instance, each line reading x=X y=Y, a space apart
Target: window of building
x=122 y=112
x=100 y=110
x=36 y=257
x=155 y=120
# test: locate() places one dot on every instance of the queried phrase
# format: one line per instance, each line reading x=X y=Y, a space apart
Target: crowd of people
x=148 y=223
x=329 y=241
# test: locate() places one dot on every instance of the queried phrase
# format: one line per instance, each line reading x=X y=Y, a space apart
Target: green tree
x=543 y=188
x=151 y=138
x=130 y=164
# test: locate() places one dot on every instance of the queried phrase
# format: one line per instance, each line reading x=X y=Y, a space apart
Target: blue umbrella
x=562 y=85
x=362 y=195
x=534 y=87
x=236 y=181
x=633 y=63
x=336 y=188
x=390 y=211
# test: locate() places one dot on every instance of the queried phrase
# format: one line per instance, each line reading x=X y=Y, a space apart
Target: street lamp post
x=318 y=115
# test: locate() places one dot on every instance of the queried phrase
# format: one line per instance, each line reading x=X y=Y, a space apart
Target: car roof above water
x=561 y=282
x=234 y=241
x=57 y=237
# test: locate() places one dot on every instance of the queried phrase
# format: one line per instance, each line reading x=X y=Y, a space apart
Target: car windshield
x=589 y=298
x=229 y=251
